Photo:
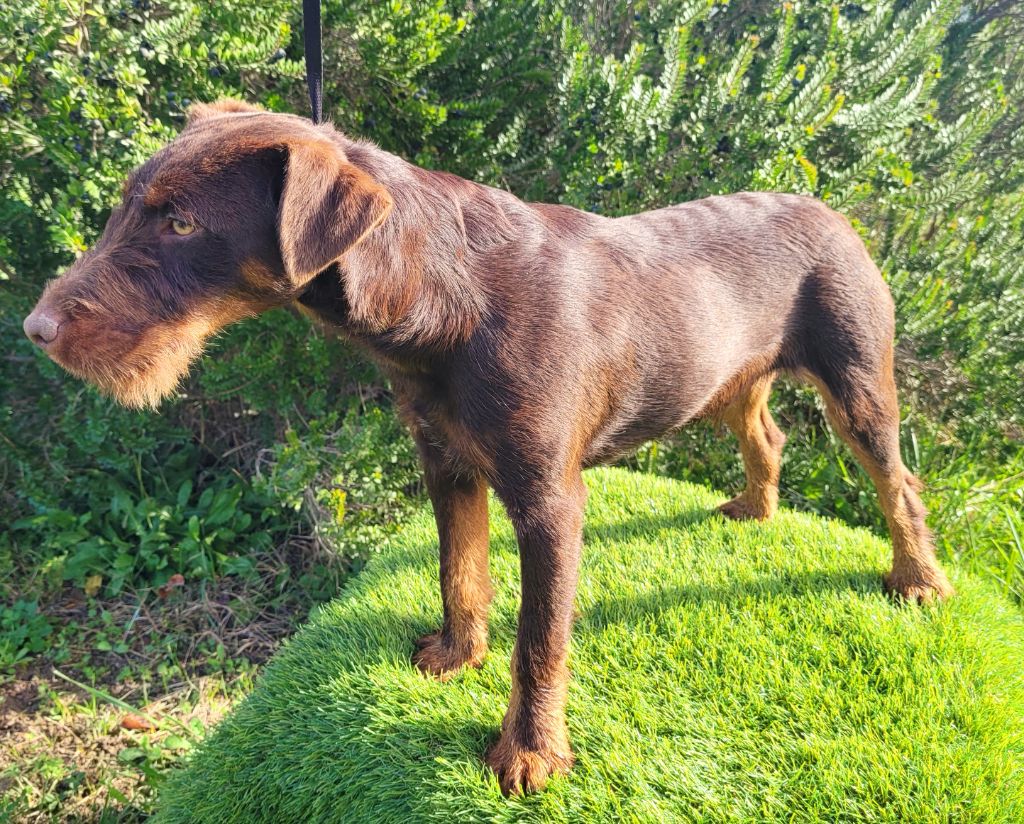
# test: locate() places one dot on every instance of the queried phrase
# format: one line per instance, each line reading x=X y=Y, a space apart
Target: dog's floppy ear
x=327 y=206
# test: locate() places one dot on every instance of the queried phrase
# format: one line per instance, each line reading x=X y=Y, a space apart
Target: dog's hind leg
x=845 y=348
x=866 y=416
x=761 y=444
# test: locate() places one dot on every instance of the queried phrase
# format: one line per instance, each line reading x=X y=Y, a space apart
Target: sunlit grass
x=722 y=672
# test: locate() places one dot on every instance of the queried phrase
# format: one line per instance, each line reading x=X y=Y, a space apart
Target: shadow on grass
x=642 y=526
x=638 y=527
x=386 y=632
x=609 y=611
x=784 y=583
x=612 y=610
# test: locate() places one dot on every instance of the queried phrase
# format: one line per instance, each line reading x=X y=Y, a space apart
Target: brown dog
x=523 y=342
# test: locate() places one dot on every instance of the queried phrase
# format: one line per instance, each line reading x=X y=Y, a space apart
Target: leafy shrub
x=129 y=509
x=904 y=115
x=87 y=91
x=854 y=104
x=350 y=477
x=90 y=489
x=849 y=104
x=23 y=631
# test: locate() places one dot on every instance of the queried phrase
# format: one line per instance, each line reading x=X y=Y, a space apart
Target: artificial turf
x=722 y=671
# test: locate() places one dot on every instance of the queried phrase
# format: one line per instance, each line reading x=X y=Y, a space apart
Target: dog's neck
x=409 y=284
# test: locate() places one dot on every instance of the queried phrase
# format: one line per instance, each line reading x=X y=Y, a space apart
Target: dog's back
x=663 y=317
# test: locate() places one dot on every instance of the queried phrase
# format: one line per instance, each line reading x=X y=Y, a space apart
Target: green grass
x=722 y=672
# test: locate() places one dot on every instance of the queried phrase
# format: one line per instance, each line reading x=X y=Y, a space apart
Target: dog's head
x=234 y=217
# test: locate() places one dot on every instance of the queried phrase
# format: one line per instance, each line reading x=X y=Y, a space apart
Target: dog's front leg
x=460 y=509
x=534 y=738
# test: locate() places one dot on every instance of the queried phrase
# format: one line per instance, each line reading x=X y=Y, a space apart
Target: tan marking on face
x=258 y=277
x=140 y=370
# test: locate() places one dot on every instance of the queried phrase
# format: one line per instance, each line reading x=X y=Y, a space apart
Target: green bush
x=86 y=93
x=90 y=90
x=904 y=114
x=23 y=631
x=351 y=479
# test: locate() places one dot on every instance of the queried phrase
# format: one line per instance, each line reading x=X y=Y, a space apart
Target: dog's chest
x=436 y=417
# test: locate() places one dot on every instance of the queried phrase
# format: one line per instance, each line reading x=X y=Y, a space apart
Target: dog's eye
x=181 y=227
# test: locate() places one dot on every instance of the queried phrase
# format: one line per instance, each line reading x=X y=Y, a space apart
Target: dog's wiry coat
x=523 y=343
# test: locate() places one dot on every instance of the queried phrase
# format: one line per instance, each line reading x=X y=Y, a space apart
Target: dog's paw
x=739 y=509
x=521 y=770
x=919 y=588
x=435 y=657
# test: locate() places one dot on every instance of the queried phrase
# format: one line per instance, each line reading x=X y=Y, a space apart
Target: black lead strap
x=314 y=57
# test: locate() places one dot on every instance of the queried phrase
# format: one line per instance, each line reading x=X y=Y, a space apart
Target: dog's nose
x=42 y=326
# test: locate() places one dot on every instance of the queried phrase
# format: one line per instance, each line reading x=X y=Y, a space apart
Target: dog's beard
x=149 y=366
x=157 y=373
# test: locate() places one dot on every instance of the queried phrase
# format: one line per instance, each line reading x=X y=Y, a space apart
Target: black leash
x=314 y=57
